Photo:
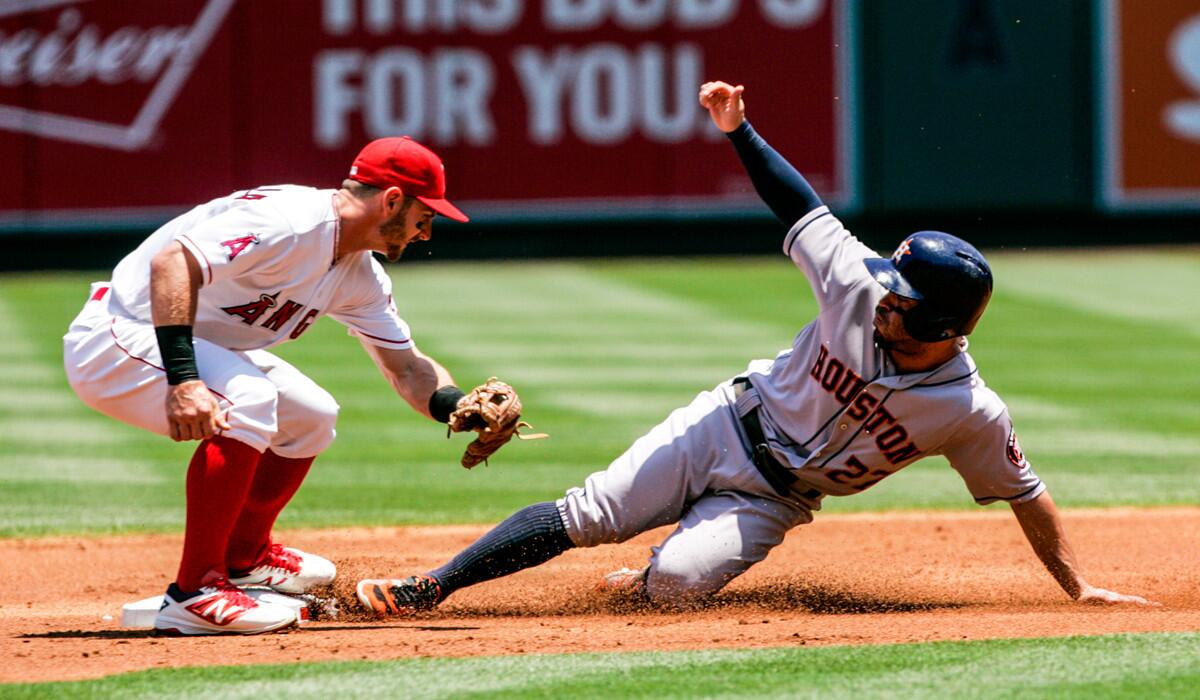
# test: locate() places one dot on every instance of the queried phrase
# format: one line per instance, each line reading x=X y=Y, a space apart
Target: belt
x=778 y=475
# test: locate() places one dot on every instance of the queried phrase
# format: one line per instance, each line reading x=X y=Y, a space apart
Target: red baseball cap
x=401 y=162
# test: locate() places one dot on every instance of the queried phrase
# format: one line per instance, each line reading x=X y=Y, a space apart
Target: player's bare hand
x=193 y=412
x=1099 y=596
x=724 y=104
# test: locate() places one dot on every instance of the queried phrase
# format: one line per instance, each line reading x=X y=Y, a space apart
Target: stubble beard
x=393 y=230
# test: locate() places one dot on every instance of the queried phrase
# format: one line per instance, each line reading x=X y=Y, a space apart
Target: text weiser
x=98 y=73
x=891 y=438
x=601 y=93
x=251 y=312
x=75 y=51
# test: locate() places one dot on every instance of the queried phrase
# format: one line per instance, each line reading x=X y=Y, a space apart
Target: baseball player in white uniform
x=188 y=315
x=880 y=379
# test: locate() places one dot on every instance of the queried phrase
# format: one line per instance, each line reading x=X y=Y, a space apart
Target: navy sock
x=529 y=537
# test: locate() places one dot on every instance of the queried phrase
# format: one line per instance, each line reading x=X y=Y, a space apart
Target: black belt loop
x=780 y=477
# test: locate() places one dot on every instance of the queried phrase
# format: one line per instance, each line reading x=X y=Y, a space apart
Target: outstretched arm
x=414 y=376
x=780 y=185
x=1044 y=530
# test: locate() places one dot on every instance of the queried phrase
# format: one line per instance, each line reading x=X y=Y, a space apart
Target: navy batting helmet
x=948 y=278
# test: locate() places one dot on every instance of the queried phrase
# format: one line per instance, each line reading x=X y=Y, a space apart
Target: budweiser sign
x=60 y=67
x=129 y=111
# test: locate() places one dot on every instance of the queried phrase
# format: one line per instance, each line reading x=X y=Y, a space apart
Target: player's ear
x=391 y=199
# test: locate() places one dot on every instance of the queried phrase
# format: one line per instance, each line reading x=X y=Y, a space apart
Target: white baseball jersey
x=267 y=260
x=835 y=409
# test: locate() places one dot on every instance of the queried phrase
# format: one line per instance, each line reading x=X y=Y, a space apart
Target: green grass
x=1096 y=354
x=1118 y=666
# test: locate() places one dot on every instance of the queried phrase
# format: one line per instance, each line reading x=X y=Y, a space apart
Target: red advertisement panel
x=1152 y=103
x=124 y=110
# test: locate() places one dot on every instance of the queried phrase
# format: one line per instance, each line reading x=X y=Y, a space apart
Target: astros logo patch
x=901 y=251
x=1015 y=455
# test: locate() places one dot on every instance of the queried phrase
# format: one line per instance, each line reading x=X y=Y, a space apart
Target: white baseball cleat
x=219 y=608
x=287 y=570
x=624 y=580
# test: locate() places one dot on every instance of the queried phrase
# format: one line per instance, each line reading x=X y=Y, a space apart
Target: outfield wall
x=569 y=127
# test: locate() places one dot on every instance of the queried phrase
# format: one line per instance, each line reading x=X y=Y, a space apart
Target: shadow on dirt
x=826 y=601
x=93 y=634
x=781 y=597
x=127 y=634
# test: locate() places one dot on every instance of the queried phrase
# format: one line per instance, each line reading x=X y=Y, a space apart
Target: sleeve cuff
x=1023 y=497
x=202 y=260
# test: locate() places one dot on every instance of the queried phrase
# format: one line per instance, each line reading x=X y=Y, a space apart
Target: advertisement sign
x=127 y=111
x=1150 y=62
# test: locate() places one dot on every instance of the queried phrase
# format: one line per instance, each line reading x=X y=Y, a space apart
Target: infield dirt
x=845 y=579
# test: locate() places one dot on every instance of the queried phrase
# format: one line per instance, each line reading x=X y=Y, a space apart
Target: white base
x=141 y=613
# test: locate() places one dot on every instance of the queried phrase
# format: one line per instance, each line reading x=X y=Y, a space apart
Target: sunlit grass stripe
x=1140 y=285
x=1117 y=666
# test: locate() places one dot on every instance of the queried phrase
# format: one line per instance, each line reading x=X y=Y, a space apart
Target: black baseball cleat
x=399 y=597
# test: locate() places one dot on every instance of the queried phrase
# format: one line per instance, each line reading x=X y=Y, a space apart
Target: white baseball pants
x=694 y=468
x=114 y=366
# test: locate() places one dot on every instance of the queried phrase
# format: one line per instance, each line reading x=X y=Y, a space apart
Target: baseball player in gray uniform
x=880 y=379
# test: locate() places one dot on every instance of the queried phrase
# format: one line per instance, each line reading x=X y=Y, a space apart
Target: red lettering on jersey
x=879 y=474
x=835 y=377
x=237 y=245
x=819 y=366
x=280 y=317
x=850 y=387
x=833 y=374
x=890 y=438
x=304 y=323
x=257 y=194
x=252 y=311
x=900 y=454
x=855 y=470
x=862 y=406
x=878 y=418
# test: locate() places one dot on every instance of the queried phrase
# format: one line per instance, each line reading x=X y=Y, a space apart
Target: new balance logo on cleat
x=217 y=610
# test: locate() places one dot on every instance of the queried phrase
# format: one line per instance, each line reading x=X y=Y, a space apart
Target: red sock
x=218 y=480
x=275 y=483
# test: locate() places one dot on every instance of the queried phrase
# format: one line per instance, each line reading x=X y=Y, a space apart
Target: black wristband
x=178 y=355
x=444 y=401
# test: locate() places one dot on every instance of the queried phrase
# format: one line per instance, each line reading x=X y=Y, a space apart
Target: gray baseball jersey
x=836 y=410
x=832 y=407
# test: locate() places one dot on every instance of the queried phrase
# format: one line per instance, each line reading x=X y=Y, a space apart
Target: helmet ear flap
x=923 y=325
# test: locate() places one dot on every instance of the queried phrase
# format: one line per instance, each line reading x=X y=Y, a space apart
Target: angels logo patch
x=237 y=245
x=1015 y=455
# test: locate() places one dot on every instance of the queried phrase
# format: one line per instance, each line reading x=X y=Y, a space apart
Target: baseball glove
x=493 y=410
